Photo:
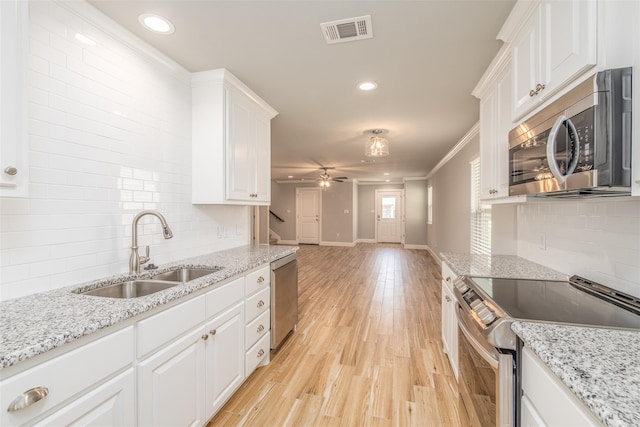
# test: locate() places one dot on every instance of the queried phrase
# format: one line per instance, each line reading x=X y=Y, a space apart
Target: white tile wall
x=598 y=239
x=109 y=135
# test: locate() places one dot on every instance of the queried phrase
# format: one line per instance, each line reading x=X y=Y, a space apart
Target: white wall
x=598 y=239
x=109 y=135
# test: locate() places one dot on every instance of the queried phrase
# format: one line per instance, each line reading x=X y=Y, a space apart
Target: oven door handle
x=491 y=359
x=551 y=149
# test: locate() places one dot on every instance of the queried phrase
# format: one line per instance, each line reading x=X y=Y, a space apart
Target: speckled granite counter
x=38 y=323
x=507 y=266
x=600 y=366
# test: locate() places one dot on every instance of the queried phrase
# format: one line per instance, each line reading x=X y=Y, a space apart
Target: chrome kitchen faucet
x=136 y=260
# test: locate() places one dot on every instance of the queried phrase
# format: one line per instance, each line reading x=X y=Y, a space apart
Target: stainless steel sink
x=131 y=289
x=185 y=274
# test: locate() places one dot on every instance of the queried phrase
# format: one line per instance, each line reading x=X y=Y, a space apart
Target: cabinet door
x=445 y=319
x=262 y=169
x=452 y=330
x=569 y=41
x=487 y=132
x=111 y=404
x=14 y=170
x=224 y=357
x=171 y=384
x=240 y=144
x=501 y=141
x=526 y=66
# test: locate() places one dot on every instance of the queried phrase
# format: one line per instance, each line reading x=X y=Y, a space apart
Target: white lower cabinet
x=68 y=379
x=449 y=318
x=224 y=357
x=171 y=384
x=546 y=401
x=111 y=404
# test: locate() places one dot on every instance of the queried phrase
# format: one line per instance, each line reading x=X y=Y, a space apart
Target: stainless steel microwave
x=580 y=145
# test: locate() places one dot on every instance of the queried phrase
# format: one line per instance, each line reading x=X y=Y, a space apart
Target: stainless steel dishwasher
x=284 y=298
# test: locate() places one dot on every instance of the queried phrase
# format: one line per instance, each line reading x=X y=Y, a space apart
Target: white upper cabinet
x=231 y=148
x=14 y=170
x=555 y=45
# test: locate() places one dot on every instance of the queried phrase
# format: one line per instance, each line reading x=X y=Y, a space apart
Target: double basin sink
x=157 y=283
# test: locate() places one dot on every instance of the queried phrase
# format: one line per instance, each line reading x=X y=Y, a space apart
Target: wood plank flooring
x=367 y=350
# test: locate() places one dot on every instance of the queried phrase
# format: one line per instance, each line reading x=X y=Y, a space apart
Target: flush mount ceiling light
x=367 y=85
x=377 y=146
x=156 y=23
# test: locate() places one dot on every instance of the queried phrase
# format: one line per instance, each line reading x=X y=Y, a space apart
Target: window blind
x=480 y=215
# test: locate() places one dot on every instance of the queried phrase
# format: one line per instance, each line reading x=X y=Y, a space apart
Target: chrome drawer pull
x=28 y=398
x=205 y=337
x=213 y=332
x=260 y=328
x=260 y=303
x=261 y=353
x=260 y=280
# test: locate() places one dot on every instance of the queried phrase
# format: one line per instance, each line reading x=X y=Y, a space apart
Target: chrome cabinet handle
x=205 y=337
x=448 y=279
x=260 y=328
x=261 y=353
x=213 y=332
x=28 y=398
x=447 y=298
x=532 y=93
x=539 y=87
x=260 y=303
x=11 y=170
x=260 y=280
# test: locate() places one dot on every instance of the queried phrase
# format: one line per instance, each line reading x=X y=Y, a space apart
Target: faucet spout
x=134 y=259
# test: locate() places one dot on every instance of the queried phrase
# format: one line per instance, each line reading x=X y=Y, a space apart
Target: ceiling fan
x=324 y=176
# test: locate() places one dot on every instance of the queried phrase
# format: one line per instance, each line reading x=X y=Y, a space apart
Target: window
x=430 y=205
x=388 y=207
x=480 y=215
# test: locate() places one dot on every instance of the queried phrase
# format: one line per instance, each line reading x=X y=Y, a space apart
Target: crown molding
x=472 y=133
x=521 y=11
x=500 y=62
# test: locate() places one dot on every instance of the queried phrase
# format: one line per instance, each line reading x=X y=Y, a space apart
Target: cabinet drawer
x=66 y=375
x=546 y=393
x=257 y=328
x=168 y=324
x=257 y=354
x=224 y=296
x=258 y=280
x=258 y=304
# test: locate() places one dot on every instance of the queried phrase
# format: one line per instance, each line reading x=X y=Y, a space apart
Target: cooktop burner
x=572 y=302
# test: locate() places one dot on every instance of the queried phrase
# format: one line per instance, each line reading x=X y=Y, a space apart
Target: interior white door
x=308 y=215
x=389 y=216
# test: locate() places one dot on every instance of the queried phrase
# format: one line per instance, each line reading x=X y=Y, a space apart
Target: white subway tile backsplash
x=598 y=239
x=109 y=135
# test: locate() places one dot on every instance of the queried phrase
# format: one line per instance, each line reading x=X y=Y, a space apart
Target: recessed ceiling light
x=367 y=85
x=84 y=39
x=387 y=180
x=156 y=23
x=386 y=174
x=290 y=176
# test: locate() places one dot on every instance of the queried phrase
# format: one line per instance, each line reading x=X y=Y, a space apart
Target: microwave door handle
x=551 y=149
x=575 y=151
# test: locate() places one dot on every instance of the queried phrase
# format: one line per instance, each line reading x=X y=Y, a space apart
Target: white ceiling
x=426 y=56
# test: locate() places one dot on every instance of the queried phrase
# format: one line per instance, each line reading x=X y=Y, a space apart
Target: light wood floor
x=367 y=350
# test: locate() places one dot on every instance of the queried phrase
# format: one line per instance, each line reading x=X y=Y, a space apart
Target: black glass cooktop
x=554 y=301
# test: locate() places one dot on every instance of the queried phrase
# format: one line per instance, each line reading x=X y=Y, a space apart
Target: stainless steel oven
x=488 y=378
x=579 y=145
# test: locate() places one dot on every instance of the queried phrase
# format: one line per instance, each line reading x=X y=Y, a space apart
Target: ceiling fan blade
x=341 y=177
x=336 y=180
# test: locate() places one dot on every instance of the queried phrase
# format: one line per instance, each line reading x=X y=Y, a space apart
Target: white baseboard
x=366 y=241
x=434 y=255
x=347 y=244
x=287 y=242
x=422 y=247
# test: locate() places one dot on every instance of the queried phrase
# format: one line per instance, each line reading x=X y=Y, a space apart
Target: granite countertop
x=37 y=323
x=505 y=266
x=600 y=366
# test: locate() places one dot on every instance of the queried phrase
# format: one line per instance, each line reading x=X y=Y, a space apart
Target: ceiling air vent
x=347 y=30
